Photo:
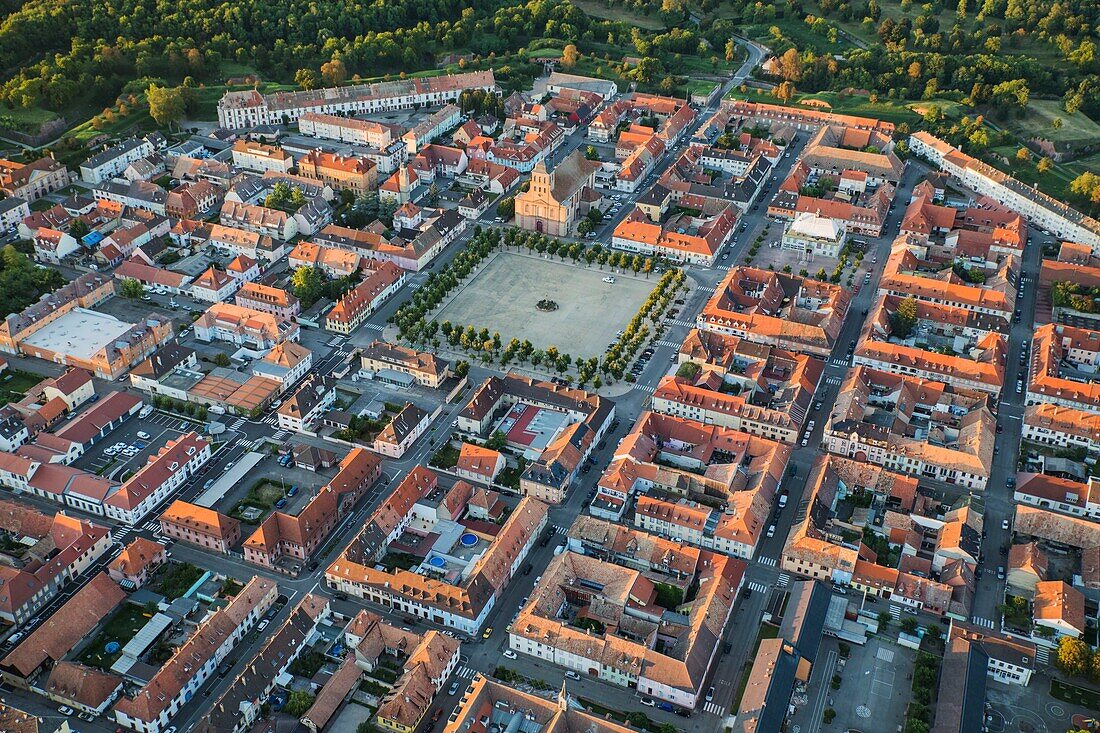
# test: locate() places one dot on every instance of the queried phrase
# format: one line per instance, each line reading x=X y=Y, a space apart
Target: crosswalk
x=465 y=673
x=983 y=622
x=769 y=561
x=838 y=362
x=236 y=424
x=713 y=708
x=895 y=612
x=782 y=581
x=673 y=344
x=757 y=587
x=1042 y=655
x=685 y=324
x=374 y=326
x=558 y=529
x=280 y=435
x=834 y=380
x=645 y=388
x=120 y=534
x=272 y=419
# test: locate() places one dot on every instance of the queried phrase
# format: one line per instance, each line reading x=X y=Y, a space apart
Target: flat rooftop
x=80 y=333
x=531 y=426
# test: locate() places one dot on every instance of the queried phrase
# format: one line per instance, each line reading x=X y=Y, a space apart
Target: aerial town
x=431 y=405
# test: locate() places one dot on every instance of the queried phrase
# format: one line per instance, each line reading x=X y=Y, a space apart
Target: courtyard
x=502 y=297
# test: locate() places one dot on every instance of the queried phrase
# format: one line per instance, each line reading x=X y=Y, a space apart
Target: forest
x=59 y=50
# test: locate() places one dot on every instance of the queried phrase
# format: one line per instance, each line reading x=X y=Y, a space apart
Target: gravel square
x=502 y=296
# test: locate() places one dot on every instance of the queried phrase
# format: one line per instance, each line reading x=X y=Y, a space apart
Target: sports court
x=502 y=298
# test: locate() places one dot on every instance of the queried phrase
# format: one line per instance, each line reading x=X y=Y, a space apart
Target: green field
x=618 y=13
x=840 y=104
x=1039 y=119
x=120 y=628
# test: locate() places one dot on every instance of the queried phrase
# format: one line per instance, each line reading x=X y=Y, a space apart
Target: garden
x=107 y=645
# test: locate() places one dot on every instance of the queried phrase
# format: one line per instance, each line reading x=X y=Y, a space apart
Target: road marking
x=983 y=622
x=783 y=579
x=758 y=587
x=713 y=708
x=645 y=388
x=769 y=561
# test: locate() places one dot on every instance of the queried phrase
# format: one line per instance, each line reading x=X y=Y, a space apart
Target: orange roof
x=137 y=556
x=200 y=519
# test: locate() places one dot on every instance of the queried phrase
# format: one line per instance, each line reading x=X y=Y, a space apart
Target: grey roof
x=12 y=202
x=113 y=152
x=960 y=705
x=804 y=618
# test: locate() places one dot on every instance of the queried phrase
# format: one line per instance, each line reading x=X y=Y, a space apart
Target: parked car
x=509 y=654
x=65 y=710
x=280 y=503
x=143 y=435
x=572 y=675
x=453 y=688
x=649 y=702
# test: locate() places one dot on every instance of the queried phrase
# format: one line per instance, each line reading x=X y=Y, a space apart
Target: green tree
x=308 y=284
x=166 y=106
x=506 y=209
x=688 y=370
x=78 y=229
x=904 y=319
x=298 y=703
x=909 y=625
x=591 y=153
x=130 y=288
x=221 y=359
x=306 y=78
x=1044 y=165
x=1073 y=656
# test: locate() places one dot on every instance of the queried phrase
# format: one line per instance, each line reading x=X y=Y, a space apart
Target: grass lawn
x=618 y=13
x=794 y=31
x=1088 y=699
x=1041 y=113
x=841 y=104
x=120 y=628
x=14 y=383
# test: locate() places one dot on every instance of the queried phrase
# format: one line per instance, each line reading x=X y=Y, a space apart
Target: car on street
x=292 y=491
x=1004 y=524
x=609 y=280
x=143 y=435
x=489 y=630
x=771 y=530
x=1000 y=572
x=509 y=654
x=572 y=675
x=453 y=688
x=649 y=702
x=710 y=695
x=280 y=503
x=65 y=710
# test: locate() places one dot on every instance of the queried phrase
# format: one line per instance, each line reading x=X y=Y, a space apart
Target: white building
x=114 y=160
x=815 y=235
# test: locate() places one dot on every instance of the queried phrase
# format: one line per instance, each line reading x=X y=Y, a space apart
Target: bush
x=828 y=715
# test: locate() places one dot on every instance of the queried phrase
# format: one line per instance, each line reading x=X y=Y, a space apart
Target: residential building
x=250 y=108
x=1062 y=428
x=750 y=387
x=70 y=624
x=1011 y=660
x=135 y=561
x=152 y=707
x=913 y=425
x=12 y=212
x=192 y=200
x=59 y=549
x=406 y=427
x=347 y=130
x=200 y=526
x=161 y=475
x=286 y=363
x=1059 y=356
x=431 y=127
x=31 y=181
x=478 y=464
x=268 y=299
x=261 y=158
x=114 y=160
x=273 y=223
x=627 y=654
x=285 y=543
x=383 y=359
x=342 y=172
x=1039 y=209
x=365 y=298
x=83 y=688
x=690 y=238
x=243 y=702
x=785 y=311
x=462 y=601
x=1058 y=608
x=334 y=262
x=244 y=327
x=304 y=409
x=214 y=286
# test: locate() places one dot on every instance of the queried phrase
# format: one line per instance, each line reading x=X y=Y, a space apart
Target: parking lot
x=502 y=297
x=124 y=451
